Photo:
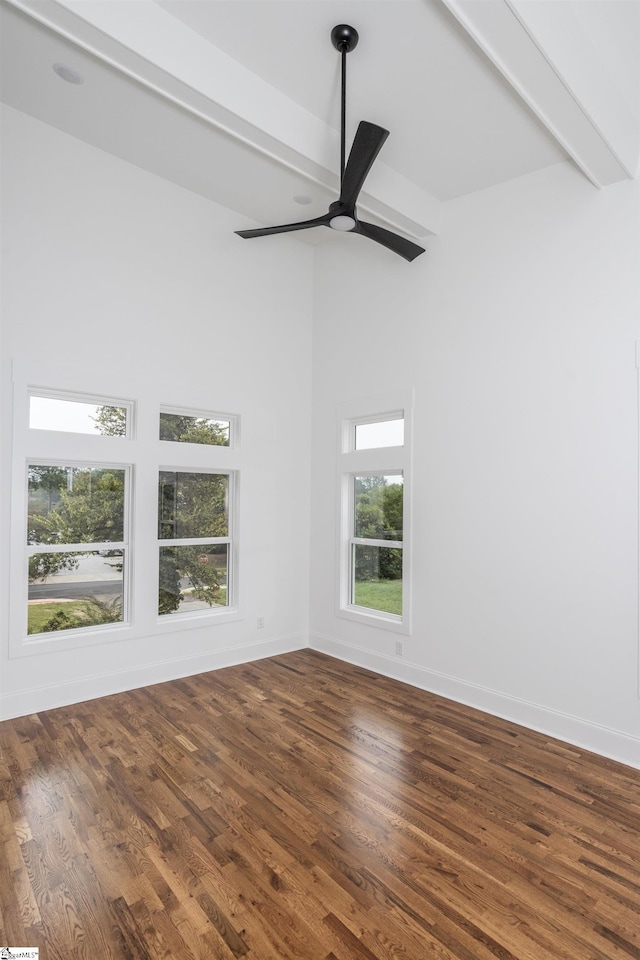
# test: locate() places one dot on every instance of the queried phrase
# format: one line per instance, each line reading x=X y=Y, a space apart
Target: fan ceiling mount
x=342 y=214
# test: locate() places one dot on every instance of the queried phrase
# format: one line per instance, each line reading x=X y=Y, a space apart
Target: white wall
x=517 y=331
x=120 y=283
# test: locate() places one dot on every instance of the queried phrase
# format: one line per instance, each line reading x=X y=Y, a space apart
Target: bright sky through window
x=382 y=433
x=69 y=416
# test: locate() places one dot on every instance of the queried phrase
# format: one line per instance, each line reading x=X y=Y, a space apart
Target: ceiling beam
x=145 y=42
x=544 y=54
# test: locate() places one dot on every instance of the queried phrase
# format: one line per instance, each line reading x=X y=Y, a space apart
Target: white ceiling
x=414 y=72
x=238 y=100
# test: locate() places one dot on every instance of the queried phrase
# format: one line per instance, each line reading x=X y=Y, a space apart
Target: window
x=52 y=411
x=76 y=546
x=185 y=427
x=108 y=494
x=379 y=433
x=194 y=534
x=376 y=542
x=375 y=474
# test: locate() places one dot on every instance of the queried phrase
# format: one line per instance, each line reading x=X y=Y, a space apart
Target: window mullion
x=192 y=541
x=83 y=547
x=367 y=542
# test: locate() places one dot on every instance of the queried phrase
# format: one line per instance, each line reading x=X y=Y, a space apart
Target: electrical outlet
x=398 y=648
x=260 y=623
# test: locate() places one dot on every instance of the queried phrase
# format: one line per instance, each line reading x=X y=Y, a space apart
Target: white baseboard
x=589 y=736
x=47 y=697
x=581 y=733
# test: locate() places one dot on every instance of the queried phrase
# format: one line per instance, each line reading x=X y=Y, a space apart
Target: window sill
x=38 y=644
x=374 y=618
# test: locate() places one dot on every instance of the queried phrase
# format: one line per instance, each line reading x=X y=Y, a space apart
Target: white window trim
x=375 y=461
x=144 y=453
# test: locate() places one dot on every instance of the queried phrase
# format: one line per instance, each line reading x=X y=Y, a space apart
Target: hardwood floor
x=299 y=807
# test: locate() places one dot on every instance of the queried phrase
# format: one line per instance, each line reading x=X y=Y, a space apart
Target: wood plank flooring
x=305 y=809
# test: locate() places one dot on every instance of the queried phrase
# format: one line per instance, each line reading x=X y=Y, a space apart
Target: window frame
x=372 y=461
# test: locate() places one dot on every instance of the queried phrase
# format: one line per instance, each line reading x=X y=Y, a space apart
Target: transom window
x=68 y=414
x=187 y=427
x=379 y=433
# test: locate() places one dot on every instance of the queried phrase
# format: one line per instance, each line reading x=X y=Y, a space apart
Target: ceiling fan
x=342 y=214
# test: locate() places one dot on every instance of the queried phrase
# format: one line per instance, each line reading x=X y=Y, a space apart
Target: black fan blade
x=404 y=248
x=285 y=227
x=366 y=147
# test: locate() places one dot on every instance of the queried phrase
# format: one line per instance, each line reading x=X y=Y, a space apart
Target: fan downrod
x=366 y=145
x=344 y=38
